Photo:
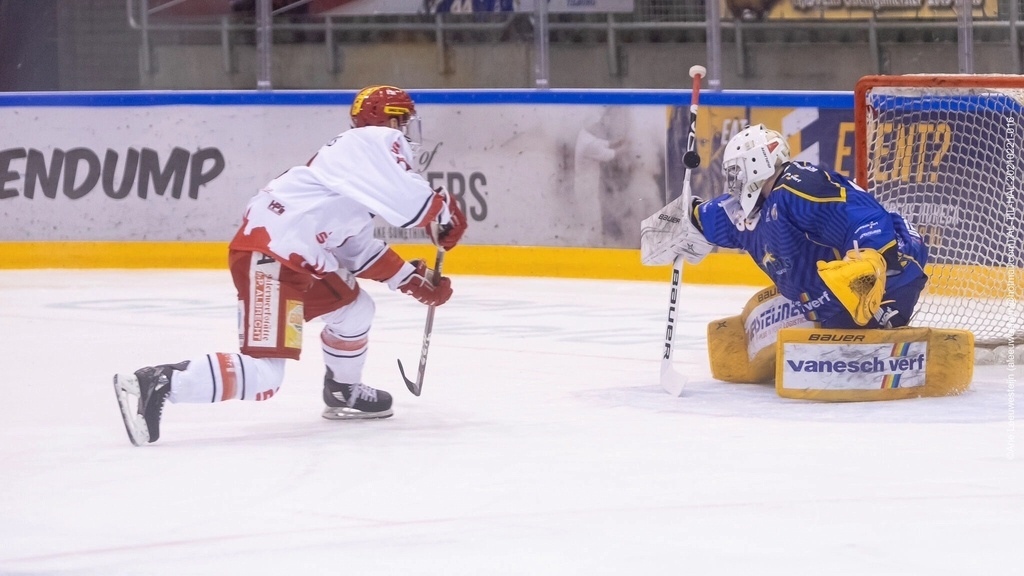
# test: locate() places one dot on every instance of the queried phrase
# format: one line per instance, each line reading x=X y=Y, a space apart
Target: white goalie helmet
x=750 y=158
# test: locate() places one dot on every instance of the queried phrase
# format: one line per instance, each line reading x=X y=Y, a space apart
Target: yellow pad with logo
x=742 y=348
x=859 y=365
x=858 y=281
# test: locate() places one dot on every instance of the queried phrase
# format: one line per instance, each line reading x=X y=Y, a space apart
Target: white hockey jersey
x=318 y=218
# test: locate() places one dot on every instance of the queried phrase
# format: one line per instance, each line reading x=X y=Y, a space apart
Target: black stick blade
x=412 y=386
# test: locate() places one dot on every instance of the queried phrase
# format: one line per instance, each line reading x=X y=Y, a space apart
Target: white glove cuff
x=400 y=276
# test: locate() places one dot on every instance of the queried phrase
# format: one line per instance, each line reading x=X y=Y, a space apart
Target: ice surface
x=542 y=444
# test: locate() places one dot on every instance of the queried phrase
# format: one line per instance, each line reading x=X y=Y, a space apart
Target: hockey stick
x=672 y=381
x=417 y=387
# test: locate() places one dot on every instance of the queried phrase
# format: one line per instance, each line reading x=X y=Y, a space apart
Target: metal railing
x=650 y=20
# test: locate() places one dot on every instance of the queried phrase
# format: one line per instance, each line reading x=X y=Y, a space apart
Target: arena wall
x=554 y=183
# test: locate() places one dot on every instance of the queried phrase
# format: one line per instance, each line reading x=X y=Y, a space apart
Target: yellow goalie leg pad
x=861 y=365
x=858 y=281
x=742 y=348
x=729 y=356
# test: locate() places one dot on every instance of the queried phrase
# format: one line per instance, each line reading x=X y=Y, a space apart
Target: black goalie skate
x=354 y=401
x=141 y=397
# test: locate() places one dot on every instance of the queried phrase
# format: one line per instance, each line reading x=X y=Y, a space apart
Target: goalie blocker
x=769 y=341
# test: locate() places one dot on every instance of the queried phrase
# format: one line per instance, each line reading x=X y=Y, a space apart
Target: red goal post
x=947 y=152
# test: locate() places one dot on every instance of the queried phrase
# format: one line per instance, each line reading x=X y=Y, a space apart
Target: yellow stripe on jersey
x=696 y=218
x=805 y=196
x=887 y=246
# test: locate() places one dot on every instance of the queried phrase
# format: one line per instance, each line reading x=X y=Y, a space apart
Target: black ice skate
x=147 y=389
x=354 y=401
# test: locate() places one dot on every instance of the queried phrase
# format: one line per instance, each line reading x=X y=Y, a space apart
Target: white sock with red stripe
x=219 y=377
x=344 y=355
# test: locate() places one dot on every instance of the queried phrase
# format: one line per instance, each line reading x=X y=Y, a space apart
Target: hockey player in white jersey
x=304 y=239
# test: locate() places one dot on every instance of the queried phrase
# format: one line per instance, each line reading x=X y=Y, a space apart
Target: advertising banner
x=760 y=10
x=817 y=135
x=551 y=175
x=146 y=172
x=368 y=7
x=581 y=173
x=178 y=8
x=527 y=175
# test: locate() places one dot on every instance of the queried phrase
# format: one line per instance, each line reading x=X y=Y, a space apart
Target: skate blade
x=134 y=425
x=353 y=414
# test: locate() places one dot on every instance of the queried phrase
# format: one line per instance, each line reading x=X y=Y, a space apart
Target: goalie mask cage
x=947 y=152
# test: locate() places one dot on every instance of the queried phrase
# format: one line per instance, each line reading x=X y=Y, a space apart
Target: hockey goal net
x=947 y=152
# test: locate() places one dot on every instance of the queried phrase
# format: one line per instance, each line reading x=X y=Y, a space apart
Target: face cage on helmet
x=736 y=187
x=735 y=180
x=733 y=184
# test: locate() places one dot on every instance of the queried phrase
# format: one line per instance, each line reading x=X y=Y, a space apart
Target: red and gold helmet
x=379 y=105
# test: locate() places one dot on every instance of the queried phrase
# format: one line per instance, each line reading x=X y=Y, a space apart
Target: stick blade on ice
x=671 y=381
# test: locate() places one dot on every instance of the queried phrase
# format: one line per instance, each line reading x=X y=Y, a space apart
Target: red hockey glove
x=420 y=285
x=448 y=235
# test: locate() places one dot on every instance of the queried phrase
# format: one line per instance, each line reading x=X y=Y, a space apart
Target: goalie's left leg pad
x=742 y=348
x=861 y=365
x=728 y=354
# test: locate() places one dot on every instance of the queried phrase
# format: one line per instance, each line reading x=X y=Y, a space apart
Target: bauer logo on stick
x=665 y=238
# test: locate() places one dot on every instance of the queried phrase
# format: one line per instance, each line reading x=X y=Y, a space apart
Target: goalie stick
x=417 y=387
x=672 y=381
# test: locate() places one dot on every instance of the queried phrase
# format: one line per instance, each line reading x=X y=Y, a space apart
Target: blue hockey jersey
x=813 y=214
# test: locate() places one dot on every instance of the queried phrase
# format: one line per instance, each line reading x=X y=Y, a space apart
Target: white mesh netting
x=951 y=160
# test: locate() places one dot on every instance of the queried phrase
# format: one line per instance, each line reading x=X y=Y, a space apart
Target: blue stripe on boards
x=832 y=100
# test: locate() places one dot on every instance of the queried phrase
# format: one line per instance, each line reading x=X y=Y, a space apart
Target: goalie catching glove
x=448 y=235
x=420 y=285
x=858 y=281
x=671 y=232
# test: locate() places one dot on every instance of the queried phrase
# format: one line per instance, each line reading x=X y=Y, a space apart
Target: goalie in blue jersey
x=828 y=245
